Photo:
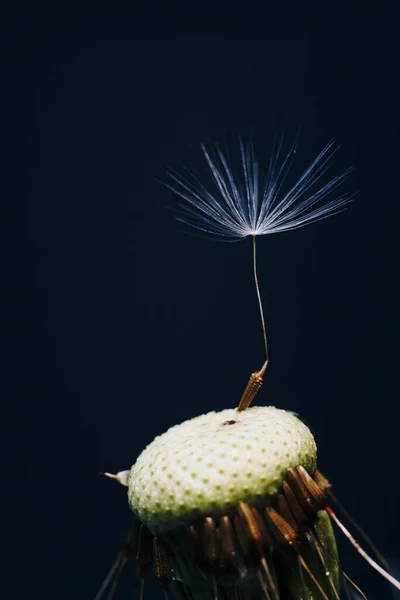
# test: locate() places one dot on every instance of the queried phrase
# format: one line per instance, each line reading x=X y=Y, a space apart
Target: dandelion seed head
x=249 y=201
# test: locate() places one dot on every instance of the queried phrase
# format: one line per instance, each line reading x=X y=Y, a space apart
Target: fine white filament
x=244 y=204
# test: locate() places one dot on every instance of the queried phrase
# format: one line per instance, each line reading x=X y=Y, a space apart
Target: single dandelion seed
x=234 y=206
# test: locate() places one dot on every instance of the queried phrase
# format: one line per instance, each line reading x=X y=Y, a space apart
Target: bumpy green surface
x=203 y=467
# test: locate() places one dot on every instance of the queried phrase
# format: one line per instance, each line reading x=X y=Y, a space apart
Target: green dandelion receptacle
x=211 y=491
x=209 y=464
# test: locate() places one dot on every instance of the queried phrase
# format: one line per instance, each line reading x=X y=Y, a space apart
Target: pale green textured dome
x=206 y=465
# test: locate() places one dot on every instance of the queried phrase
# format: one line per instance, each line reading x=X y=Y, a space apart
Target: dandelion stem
x=260 y=305
x=256 y=379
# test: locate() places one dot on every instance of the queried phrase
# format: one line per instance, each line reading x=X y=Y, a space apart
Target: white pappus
x=246 y=203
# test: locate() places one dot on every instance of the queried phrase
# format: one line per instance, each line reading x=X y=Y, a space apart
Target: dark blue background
x=120 y=327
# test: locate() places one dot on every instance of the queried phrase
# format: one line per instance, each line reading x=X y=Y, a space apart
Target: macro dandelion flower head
x=231 y=504
x=251 y=201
